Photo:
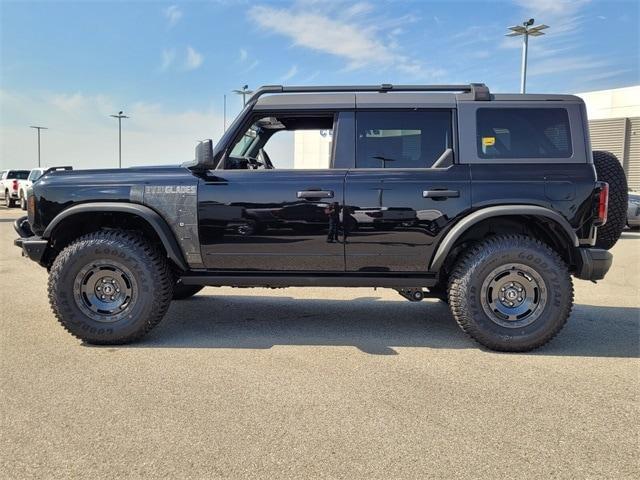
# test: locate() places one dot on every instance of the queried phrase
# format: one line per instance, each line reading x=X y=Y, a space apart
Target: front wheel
x=511 y=293
x=110 y=287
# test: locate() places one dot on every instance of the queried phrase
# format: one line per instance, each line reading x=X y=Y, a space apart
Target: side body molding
x=153 y=218
x=496 y=211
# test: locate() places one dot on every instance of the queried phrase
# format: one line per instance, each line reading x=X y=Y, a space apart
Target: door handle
x=440 y=193
x=306 y=194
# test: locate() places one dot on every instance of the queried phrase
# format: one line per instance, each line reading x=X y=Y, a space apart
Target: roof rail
x=476 y=91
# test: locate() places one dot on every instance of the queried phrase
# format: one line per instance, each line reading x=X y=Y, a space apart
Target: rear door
x=405 y=190
x=254 y=217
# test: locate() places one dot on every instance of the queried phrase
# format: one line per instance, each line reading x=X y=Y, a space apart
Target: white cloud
x=551 y=7
x=168 y=56
x=292 y=72
x=353 y=34
x=173 y=14
x=243 y=55
x=194 y=59
x=252 y=65
x=82 y=134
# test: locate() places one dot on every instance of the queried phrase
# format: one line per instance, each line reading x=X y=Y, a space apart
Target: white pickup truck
x=23 y=185
x=9 y=183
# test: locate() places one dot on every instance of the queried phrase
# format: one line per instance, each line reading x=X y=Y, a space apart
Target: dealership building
x=614 y=123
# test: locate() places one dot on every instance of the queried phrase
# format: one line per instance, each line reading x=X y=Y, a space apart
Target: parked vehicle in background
x=490 y=202
x=34 y=174
x=633 y=212
x=10 y=185
x=23 y=185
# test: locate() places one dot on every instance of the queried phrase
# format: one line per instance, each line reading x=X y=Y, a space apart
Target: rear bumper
x=31 y=245
x=594 y=263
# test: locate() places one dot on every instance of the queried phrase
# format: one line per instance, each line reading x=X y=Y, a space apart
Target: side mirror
x=204 y=157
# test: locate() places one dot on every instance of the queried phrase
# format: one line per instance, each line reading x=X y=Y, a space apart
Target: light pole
x=38 y=128
x=119 y=116
x=526 y=29
x=244 y=92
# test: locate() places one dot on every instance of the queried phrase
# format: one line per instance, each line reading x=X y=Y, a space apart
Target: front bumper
x=32 y=246
x=594 y=263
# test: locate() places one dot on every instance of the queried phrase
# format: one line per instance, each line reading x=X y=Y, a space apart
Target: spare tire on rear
x=609 y=169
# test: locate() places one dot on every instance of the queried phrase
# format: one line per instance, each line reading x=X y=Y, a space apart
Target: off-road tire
x=474 y=268
x=609 y=169
x=23 y=202
x=182 y=291
x=149 y=273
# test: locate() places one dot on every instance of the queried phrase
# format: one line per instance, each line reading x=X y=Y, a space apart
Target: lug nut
x=113 y=281
x=99 y=288
x=511 y=304
x=502 y=289
x=519 y=299
x=113 y=298
x=102 y=297
x=118 y=290
x=104 y=281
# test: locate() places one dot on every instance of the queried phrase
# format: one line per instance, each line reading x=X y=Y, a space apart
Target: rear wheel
x=110 y=287
x=23 y=202
x=609 y=169
x=511 y=293
x=8 y=201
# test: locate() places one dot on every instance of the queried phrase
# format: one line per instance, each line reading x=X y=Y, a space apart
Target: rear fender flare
x=496 y=211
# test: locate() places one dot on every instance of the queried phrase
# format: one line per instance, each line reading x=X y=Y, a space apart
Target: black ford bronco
x=490 y=202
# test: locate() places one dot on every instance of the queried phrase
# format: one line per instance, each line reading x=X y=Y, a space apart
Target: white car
x=23 y=185
x=9 y=185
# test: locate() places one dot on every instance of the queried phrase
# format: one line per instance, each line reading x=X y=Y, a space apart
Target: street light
x=38 y=128
x=244 y=92
x=526 y=30
x=119 y=116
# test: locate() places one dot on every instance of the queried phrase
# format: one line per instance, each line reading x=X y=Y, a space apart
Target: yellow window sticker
x=488 y=141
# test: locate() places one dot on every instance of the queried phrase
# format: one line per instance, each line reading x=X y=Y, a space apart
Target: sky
x=167 y=65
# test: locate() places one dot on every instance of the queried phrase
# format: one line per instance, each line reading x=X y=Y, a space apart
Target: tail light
x=31 y=208
x=14 y=184
x=603 y=203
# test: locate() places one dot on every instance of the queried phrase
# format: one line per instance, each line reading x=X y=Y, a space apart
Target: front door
x=404 y=191
x=272 y=207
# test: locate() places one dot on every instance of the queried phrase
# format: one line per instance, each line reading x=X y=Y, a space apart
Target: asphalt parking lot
x=318 y=383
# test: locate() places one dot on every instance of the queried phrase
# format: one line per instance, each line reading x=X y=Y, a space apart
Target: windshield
x=243 y=144
x=18 y=174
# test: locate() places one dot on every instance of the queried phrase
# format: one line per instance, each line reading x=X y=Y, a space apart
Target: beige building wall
x=614 y=103
x=312 y=149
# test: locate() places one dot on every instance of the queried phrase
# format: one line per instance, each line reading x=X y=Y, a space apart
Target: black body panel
x=399 y=216
x=257 y=220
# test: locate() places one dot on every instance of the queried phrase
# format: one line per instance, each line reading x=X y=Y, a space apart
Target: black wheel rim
x=105 y=291
x=514 y=295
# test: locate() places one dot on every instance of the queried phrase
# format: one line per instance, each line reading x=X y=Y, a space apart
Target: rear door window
x=402 y=139
x=523 y=133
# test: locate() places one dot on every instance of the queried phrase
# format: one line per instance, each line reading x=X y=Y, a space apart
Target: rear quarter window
x=523 y=133
x=18 y=174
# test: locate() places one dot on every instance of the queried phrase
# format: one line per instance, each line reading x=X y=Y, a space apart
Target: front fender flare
x=496 y=211
x=150 y=216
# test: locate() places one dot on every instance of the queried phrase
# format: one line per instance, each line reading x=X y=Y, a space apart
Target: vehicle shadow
x=370 y=324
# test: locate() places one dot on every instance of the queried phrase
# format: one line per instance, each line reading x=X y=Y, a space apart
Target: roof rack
x=476 y=91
